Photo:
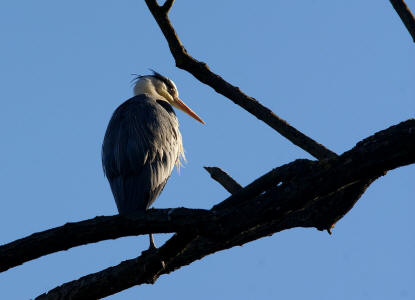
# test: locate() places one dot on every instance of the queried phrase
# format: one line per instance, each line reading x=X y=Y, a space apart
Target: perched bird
x=143 y=143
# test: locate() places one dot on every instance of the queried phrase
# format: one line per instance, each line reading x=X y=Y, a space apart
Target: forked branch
x=201 y=71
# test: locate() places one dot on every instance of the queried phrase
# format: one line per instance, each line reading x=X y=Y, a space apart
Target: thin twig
x=406 y=16
x=167 y=6
x=271 y=179
x=224 y=179
x=202 y=72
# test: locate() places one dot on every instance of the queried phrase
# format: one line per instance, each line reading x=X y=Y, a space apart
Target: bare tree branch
x=201 y=71
x=304 y=200
x=303 y=193
x=224 y=179
x=102 y=228
x=109 y=281
x=406 y=16
x=153 y=221
x=271 y=179
x=329 y=208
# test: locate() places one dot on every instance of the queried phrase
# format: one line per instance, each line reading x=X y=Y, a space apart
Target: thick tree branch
x=328 y=208
x=102 y=228
x=109 y=281
x=202 y=72
x=153 y=221
x=316 y=193
x=406 y=16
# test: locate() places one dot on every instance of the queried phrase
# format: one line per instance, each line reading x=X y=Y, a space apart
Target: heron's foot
x=152 y=244
x=152 y=247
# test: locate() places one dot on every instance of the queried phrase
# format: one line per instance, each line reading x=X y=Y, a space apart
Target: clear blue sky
x=337 y=70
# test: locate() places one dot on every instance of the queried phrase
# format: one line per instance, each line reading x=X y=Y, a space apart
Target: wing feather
x=141 y=146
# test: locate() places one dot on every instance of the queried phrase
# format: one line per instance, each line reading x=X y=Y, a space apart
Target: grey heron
x=143 y=143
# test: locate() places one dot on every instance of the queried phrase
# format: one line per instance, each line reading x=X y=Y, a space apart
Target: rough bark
x=313 y=197
x=99 y=229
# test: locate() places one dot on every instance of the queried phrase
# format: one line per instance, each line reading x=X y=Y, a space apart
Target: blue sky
x=337 y=70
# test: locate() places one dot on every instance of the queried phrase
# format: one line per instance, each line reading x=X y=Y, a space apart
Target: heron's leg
x=152 y=245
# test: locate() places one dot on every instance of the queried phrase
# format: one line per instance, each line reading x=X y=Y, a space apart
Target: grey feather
x=141 y=146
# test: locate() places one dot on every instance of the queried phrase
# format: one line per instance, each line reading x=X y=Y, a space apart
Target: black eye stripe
x=166 y=81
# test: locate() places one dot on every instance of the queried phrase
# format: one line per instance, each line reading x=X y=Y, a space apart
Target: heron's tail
x=129 y=195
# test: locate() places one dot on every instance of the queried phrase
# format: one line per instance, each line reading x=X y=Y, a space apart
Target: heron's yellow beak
x=183 y=107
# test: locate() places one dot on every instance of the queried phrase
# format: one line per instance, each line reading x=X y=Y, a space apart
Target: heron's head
x=163 y=88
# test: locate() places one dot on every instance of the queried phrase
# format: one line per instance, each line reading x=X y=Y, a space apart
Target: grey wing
x=141 y=145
